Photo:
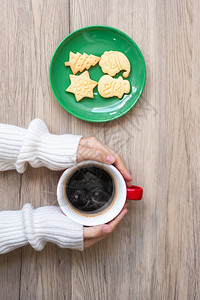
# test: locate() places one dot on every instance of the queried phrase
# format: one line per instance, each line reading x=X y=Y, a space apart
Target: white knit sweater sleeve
x=36 y=146
x=37 y=227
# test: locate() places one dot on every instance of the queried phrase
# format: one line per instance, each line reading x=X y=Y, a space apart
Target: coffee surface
x=90 y=188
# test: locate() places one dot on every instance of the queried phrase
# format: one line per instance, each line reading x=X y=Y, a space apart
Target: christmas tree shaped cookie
x=79 y=62
x=110 y=87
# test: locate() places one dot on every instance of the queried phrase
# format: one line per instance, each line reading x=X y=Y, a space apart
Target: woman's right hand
x=95 y=234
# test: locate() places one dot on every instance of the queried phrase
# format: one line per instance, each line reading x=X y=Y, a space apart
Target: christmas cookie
x=113 y=61
x=79 y=62
x=109 y=87
x=81 y=86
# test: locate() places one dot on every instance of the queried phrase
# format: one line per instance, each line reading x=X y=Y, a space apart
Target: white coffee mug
x=101 y=216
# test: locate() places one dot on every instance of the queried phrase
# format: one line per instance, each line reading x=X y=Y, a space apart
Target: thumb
x=101 y=156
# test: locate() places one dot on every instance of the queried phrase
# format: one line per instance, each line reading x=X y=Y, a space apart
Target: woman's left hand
x=90 y=148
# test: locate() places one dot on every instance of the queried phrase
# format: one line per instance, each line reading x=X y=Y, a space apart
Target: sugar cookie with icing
x=114 y=61
x=110 y=87
x=78 y=62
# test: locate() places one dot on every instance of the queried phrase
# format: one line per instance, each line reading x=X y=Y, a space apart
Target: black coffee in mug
x=90 y=188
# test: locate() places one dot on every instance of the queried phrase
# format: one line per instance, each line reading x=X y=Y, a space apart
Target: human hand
x=92 y=149
x=94 y=234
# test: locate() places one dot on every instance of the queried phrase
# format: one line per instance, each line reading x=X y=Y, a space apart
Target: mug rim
x=96 y=218
x=87 y=214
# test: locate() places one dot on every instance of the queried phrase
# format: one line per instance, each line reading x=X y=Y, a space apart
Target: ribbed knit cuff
x=37 y=147
x=11 y=231
x=37 y=227
x=11 y=140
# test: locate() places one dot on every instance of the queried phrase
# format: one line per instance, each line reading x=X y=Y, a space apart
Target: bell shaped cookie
x=113 y=62
x=79 y=62
x=110 y=87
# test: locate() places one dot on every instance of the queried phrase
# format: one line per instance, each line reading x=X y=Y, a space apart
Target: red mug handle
x=134 y=192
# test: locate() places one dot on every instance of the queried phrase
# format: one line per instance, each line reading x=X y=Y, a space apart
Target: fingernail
x=129 y=183
x=110 y=159
x=106 y=230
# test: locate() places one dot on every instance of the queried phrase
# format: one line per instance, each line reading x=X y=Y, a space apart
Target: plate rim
x=98 y=27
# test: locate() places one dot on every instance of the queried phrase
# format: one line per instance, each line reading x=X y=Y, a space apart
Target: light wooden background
x=154 y=254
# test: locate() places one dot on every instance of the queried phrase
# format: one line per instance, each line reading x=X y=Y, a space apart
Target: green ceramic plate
x=95 y=40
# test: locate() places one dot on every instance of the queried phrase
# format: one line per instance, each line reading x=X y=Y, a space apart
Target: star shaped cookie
x=81 y=86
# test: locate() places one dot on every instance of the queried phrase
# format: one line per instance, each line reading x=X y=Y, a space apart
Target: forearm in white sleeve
x=36 y=146
x=37 y=227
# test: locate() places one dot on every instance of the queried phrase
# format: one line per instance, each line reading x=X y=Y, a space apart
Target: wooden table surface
x=154 y=253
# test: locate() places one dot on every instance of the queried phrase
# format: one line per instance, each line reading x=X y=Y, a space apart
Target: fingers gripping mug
x=93 y=193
